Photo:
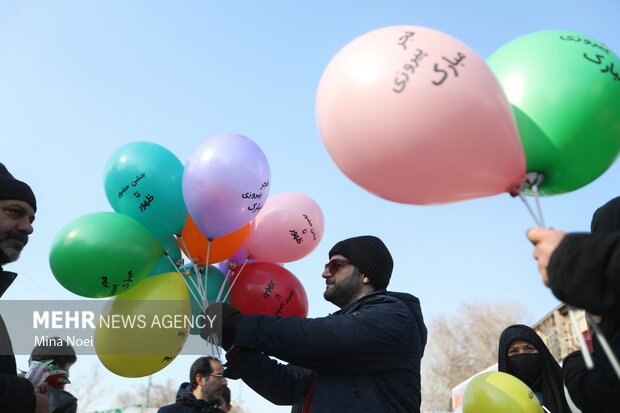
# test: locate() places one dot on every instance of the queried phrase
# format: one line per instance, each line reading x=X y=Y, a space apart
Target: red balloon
x=269 y=289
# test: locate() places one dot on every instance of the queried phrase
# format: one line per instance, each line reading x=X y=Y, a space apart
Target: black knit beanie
x=607 y=217
x=370 y=255
x=11 y=188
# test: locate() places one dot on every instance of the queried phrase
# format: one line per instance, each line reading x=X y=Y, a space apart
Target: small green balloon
x=103 y=254
x=495 y=392
x=564 y=88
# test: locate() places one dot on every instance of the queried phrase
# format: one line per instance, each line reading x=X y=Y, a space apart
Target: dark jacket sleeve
x=593 y=391
x=16 y=394
x=376 y=333
x=279 y=383
x=584 y=271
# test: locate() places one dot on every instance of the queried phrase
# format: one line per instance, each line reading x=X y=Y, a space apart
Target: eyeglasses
x=334 y=265
x=218 y=376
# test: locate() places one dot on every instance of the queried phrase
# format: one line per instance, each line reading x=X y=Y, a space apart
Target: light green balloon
x=497 y=392
x=565 y=91
x=103 y=254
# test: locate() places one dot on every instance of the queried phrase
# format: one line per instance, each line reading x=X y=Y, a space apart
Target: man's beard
x=345 y=291
x=8 y=251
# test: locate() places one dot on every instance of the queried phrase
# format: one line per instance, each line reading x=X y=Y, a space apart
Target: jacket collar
x=6 y=279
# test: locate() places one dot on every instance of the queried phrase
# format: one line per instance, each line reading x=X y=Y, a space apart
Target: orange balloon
x=221 y=247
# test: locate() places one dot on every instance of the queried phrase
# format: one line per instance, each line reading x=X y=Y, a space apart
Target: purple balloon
x=225 y=184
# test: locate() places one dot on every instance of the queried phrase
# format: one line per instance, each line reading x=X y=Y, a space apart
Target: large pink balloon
x=414 y=115
x=288 y=228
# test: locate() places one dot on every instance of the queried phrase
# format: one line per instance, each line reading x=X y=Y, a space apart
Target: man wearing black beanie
x=17 y=208
x=364 y=357
x=584 y=270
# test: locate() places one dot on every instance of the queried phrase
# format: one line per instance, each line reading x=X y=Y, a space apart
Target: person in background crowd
x=17 y=208
x=63 y=357
x=204 y=391
x=523 y=354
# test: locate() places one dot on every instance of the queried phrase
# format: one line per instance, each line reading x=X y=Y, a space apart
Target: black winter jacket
x=584 y=271
x=186 y=402
x=16 y=393
x=363 y=358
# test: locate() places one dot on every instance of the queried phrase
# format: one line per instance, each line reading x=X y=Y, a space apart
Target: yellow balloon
x=142 y=330
x=495 y=392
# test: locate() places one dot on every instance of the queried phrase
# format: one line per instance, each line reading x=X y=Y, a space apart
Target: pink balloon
x=288 y=228
x=414 y=115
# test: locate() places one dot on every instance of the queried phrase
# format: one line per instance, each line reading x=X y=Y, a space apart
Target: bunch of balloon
x=156 y=318
x=103 y=254
x=564 y=88
x=415 y=116
x=494 y=392
x=225 y=185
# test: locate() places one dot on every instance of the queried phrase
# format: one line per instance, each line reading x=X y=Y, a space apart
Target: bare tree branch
x=462 y=345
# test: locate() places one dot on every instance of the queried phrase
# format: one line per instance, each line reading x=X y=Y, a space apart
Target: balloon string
x=529 y=208
x=537 y=198
x=192 y=260
x=585 y=352
x=213 y=344
x=228 y=274
x=546 y=410
x=236 y=278
x=184 y=278
x=209 y=240
x=604 y=344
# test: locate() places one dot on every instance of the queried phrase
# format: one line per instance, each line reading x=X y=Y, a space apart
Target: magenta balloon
x=289 y=227
x=414 y=115
x=225 y=184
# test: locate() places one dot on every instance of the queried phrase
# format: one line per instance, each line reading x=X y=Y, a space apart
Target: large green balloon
x=103 y=254
x=495 y=392
x=565 y=91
